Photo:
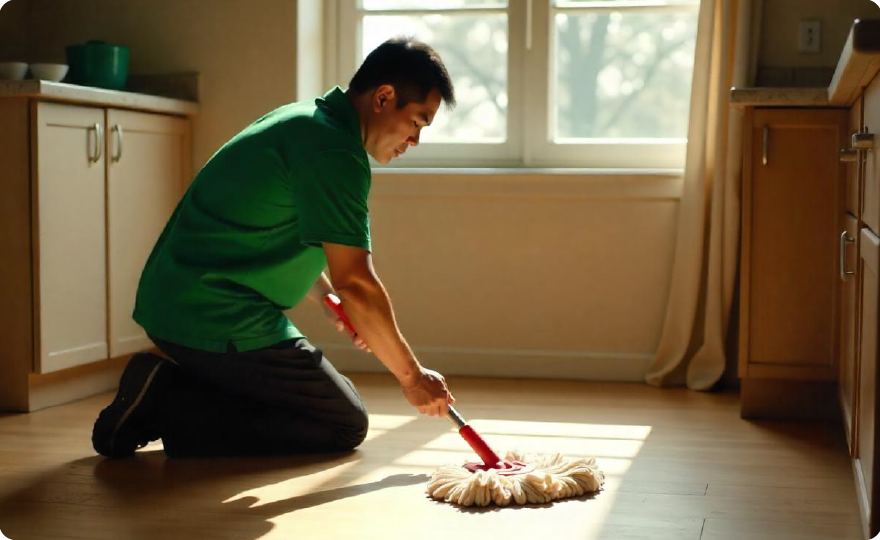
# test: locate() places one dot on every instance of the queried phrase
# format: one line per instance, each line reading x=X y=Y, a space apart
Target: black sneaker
x=130 y=422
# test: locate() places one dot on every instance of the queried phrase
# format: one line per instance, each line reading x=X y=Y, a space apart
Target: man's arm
x=369 y=308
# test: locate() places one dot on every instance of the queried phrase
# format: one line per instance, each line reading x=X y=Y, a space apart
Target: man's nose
x=413 y=141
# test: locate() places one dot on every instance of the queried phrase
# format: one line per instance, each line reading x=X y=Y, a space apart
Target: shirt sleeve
x=331 y=195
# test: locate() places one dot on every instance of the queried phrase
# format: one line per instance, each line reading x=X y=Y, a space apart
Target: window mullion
x=537 y=85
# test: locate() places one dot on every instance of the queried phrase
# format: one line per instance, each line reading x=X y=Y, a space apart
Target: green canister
x=96 y=63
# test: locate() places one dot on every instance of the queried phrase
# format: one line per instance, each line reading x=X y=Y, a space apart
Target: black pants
x=282 y=399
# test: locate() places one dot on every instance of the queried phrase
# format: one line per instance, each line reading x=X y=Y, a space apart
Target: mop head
x=554 y=477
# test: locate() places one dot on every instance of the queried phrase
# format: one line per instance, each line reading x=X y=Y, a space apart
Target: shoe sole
x=110 y=450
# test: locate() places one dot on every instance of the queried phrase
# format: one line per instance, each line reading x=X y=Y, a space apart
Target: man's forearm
x=368 y=307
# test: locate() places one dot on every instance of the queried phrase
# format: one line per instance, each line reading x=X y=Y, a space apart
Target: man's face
x=390 y=131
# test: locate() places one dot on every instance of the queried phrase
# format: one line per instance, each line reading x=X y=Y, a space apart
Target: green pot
x=96 y=63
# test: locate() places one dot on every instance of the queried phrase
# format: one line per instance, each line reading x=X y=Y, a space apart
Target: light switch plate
x=809 y=36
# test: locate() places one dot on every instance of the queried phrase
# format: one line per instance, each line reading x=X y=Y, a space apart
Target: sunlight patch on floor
x=383 y=423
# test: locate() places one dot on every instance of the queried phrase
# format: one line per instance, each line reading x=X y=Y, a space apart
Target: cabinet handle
x=99 y=142
x=528 y=25
x=844 y=240
x=849 y=155
x=118 y=129
x=766 y=144
x=94 y=157
x=863 y=141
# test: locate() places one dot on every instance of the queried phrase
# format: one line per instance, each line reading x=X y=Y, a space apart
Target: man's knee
x=353 y=433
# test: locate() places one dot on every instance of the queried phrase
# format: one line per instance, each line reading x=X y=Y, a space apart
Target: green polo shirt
x=244 y=243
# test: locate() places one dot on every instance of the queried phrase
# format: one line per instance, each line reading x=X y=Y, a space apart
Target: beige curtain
x=692 y=345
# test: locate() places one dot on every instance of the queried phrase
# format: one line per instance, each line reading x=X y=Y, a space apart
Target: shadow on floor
x=150 y=496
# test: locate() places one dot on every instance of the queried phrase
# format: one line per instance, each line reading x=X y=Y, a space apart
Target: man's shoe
x=130 y=422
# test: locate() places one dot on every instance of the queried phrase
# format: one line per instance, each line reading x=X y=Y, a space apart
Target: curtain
x=692 y=344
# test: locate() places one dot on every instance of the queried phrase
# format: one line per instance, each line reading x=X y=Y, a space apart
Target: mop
x=519 y=478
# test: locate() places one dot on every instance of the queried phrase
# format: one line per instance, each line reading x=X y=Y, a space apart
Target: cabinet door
x=869 y=270
x=871 y=124
x=848 y=320
x=68 y=181
x=148 y=162
x=792 y=202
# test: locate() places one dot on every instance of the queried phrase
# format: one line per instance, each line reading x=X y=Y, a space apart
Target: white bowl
x=49 y=72
x=13 y=70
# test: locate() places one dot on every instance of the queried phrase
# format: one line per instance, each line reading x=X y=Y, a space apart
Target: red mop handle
x=489 y=457
x=333 y=303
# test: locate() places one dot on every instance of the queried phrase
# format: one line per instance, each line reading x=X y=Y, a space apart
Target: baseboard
x=784 y=399
x=505 y=363
x=76 y=383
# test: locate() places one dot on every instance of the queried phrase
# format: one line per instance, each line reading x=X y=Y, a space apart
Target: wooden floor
x=680 y=465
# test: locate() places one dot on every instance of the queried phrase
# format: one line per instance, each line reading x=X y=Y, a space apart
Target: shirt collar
x=338 y=102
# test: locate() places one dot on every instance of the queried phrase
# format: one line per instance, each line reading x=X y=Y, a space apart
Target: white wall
x=557 y=276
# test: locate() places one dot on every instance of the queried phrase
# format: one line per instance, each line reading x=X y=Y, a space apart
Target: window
x=544 y=83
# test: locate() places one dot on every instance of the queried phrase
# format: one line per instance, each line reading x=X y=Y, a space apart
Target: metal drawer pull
x=863 y=141
x=118 y=129
x=849 y=155
x=844 y=240
x=766 y=144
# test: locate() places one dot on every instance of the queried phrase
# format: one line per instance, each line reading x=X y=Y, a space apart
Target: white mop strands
x=519 y=478
x=554 y=477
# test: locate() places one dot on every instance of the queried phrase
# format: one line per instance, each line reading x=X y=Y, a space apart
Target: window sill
x=526 y=171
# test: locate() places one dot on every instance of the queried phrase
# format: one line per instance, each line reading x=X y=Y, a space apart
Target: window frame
x=530 y=57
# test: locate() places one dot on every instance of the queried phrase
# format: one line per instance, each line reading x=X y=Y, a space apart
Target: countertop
x=55 y=91
x=858 y=64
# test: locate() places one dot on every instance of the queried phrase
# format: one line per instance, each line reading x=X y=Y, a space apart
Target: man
x=276 y=205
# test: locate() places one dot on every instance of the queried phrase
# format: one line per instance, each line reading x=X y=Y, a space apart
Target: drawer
x=871 y=197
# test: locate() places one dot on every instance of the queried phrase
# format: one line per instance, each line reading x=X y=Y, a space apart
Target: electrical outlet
x=809 y=36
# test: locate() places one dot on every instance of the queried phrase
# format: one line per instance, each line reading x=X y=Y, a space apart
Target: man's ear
x=382 y=95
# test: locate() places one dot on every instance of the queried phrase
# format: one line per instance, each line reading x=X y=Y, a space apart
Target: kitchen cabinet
x=90 y=189
x=793 y=196
x=850 y=108
x=863 y=441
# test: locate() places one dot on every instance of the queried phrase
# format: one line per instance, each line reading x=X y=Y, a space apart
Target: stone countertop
x=859 y=62
x=72 y=93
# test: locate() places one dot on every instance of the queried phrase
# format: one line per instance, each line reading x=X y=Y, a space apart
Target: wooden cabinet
x=793 y=196
x=859 y=403
x=92 y=188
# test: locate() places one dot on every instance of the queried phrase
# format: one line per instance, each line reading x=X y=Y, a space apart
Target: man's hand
x=428 y=393
x=336 y=321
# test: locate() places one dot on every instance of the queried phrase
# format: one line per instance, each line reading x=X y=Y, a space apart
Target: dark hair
x=411 y=67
